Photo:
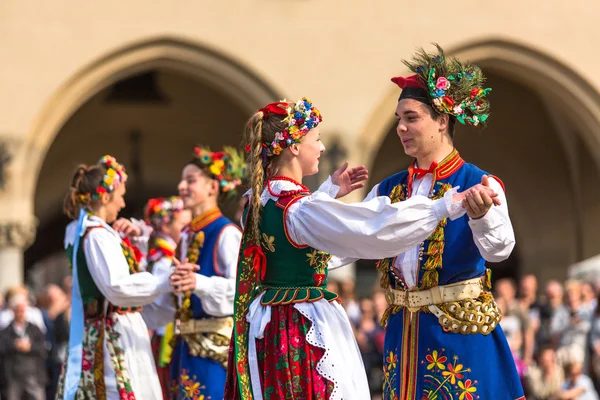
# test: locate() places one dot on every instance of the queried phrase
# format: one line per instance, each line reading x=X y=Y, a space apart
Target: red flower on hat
x=474 y=92
x=448 y=100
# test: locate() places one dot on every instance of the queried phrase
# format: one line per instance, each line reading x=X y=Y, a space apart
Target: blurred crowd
x=553 y=332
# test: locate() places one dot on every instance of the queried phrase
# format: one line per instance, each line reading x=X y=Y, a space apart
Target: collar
x=201 y=221
x=444 y=169
x=89 y=221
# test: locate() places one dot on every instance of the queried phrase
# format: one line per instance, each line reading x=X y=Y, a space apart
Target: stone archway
x=218 y=73
x=554 y=209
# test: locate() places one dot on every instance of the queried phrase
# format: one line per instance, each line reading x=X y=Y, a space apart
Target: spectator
x=53 y=303
x=531 y=307
x=511 y=325
x=553 y=305
x=589 y=301
x=570 y=326
x=506 y=290
x=546 y=378
x=33 y=314
x=23 y=350
x=577 y=385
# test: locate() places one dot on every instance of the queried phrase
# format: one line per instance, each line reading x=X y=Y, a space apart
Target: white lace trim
x=325 y=366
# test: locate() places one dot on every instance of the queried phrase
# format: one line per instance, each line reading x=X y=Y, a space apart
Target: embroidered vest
x=295 y=272
x=449 y=254
x=202 y=250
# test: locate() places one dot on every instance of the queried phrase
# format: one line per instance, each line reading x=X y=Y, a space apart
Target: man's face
x=419 y=133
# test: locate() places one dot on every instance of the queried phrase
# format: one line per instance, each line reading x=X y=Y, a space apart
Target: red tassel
x=260 y=260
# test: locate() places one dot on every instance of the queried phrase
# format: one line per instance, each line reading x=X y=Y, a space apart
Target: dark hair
x=86 y=179
x=451 y=120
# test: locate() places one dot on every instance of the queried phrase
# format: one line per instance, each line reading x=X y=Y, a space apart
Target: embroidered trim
x=201 y=221
x=285 y=211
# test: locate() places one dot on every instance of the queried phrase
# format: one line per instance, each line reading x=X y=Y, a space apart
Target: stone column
x=15 y=237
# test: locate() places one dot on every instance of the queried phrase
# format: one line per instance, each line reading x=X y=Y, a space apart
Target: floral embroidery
x=185 y=312
x=435 y=250
x=193 y=253
x=91 y=384
x=389 y=376
x=447 y=379
x=186 y=388
x=318 y=260
x=288 y=361
x=436 y=361
x=268 y=242
x=246 y=283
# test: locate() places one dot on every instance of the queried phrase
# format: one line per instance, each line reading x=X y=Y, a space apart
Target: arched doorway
x=543 y=142
x=147 y=104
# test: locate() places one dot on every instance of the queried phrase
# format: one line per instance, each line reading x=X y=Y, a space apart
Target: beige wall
x=56 y=57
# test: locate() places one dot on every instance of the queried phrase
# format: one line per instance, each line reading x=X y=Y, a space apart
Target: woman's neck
x=290 y=171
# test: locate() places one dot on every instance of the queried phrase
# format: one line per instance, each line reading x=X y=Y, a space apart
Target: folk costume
x=442 y=339
x=109 y=354
x=205 y=317
x=292 y=338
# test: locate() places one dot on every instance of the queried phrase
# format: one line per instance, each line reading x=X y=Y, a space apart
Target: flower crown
x=161 y=210
x=114 y=176
x=301 y=117
x=452 y=87
x=227 y=166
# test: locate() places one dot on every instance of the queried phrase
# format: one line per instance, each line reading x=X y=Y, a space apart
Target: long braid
x=260 y=129
x=257 y=172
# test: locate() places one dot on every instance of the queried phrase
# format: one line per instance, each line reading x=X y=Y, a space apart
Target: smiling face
x=196 y=187
x=110 y=204
x=418 y=130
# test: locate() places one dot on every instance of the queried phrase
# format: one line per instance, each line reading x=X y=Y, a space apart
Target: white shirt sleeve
x=109 y=269
x=373 y=229
x=493 y=233
x=142 y=241
x=217 y=293
x=337 y=262
x=162 y=311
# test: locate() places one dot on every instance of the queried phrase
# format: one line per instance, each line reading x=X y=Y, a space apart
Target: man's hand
x=126 y=227
x=183 y=278
x=349 y=179
x=478 y=199
x=23 y=345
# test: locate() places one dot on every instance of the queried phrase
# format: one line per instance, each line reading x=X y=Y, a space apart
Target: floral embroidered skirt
x=422 y=361
x=303 y=351
x=117 y=361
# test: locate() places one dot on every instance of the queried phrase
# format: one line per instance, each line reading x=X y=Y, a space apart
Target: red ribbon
x=274 y=108
x=420 y=172
x=136 y=252
x=260 y=260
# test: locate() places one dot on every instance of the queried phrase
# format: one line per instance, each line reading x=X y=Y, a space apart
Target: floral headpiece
x=114 y=176
x=161 y=210
x=227 y=166
x=448 y=85
x=301 y=118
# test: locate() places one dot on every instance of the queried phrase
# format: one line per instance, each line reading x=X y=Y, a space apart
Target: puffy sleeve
x=493 y=233
x=217 y=293
x=372 y=229
x=110 y=272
